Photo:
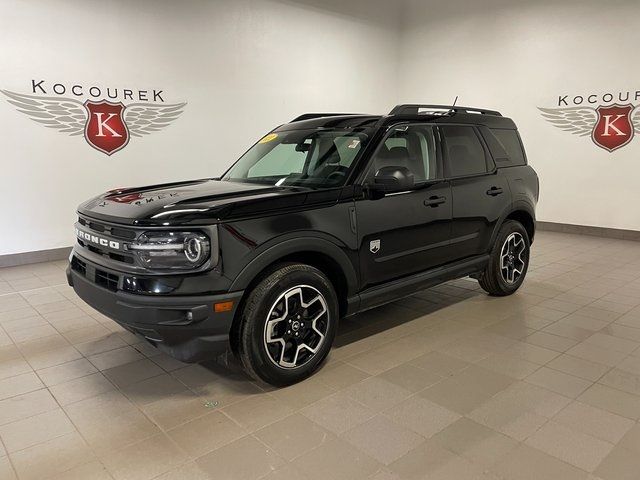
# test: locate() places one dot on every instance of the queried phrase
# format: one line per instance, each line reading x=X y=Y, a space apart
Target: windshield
x=312 y=158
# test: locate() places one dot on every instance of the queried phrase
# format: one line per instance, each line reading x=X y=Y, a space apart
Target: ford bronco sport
x=324 y=217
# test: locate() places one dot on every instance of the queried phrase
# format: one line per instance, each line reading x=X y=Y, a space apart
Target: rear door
x=480 y=192
x=405 y=232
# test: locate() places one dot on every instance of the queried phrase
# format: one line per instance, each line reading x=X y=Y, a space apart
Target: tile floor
x=447 y=384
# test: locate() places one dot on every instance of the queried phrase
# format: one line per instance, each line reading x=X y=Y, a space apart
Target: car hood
x=197 y=202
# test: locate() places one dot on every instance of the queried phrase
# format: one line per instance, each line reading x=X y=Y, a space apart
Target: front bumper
x=185 y=327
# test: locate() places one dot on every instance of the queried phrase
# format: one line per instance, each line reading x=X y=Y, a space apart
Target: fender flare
x=515 y=206
x=280 y=248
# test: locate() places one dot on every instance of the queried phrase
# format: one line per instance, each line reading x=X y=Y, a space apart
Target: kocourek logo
x=609 y=120
x=105 y=122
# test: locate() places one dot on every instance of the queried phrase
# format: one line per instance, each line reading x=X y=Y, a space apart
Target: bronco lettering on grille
x=103 y=242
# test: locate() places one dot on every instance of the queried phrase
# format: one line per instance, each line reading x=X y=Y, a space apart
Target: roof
x=402 y=113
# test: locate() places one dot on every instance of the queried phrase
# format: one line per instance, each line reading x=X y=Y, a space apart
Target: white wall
x=243 y=66
x=515 y=56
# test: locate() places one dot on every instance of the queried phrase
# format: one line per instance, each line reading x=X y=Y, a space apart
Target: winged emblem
x=610 y=127
x=106 y=126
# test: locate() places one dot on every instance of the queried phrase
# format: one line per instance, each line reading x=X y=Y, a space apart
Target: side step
x=380 y=294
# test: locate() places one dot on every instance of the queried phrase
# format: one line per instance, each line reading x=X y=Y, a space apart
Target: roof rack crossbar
x=414 y=109
x=309 y=116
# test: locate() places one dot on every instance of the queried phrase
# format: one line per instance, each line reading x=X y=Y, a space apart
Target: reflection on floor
x=447 y=384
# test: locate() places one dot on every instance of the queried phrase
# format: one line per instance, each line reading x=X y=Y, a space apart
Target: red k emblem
x=614 y=128
x=105 y=129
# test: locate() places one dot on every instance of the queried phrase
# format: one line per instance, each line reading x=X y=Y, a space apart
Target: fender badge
x=374 y=246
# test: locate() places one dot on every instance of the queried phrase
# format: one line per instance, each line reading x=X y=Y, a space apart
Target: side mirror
x=393 y=179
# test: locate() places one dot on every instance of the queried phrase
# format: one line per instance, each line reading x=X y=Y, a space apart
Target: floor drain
x=211 y=404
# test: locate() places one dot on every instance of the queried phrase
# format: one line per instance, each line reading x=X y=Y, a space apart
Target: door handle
x=434 y=201
x=493 y=191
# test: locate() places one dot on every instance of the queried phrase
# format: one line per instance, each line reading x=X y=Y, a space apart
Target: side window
x=412 y=147
x=465 y=152
x=511 y=143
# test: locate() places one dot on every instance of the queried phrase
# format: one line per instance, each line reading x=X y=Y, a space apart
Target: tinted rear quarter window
x=510 y=141
x=465 y=153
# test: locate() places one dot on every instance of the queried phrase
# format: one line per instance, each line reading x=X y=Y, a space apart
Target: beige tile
x=32 y=333
x=509 y=365
x=103 y=344
x=520 y=410
x=383 y=439
x=559 y=382
x=427 y=457
x=338 y=413
x=88 y=471
x=149 y=390
x=19 y=385
x=410 y=377
x=66 y=371
x=256 y=412
x=526 y=463
x=231 y=461
x=53 y=357
x=594 y=421
x=144 y=460
x=631 y=440
x=10 y=367
x=52 y=457
x=550 y=341
x=578 y=367
x=467 y=389
x=187 y=471
x=622 y=380
x=440 y=364
x=596 y=354
x=80 y=388
x=422 y=416
x=133 y=372
x=532 y=353
x=34 y=430
x=620 y=464
x=293 y=436
x=347 y=462
x=609 y=342
x=304 y=393
x=27 y=405
x=116 y=357
x=576 y=448
x=173 y=410
x=475 y=442
x=377 y=393
x=612 y=400
x=204 y=434
x=6 y=470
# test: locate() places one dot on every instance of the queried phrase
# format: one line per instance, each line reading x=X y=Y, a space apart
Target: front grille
x=107 y=280
x=117 y=233
x=79 y=266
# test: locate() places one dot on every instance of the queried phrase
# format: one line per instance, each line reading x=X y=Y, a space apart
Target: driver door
x=408 y=231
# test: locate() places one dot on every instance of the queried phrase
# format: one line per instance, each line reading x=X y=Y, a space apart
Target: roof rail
x=415 y=109
x=309 y=116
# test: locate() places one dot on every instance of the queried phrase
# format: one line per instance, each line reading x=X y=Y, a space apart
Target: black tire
x=261 y=358
x=493 y=280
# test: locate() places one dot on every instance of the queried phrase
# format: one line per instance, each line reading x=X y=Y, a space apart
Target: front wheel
x=508 y=262
x=288 y=324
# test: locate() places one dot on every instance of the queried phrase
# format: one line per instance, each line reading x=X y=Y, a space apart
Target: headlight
x=172 y=250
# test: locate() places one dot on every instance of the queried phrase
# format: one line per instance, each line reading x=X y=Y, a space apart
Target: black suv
x=324 y=217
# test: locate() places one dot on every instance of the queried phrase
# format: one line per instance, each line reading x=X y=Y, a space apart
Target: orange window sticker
x=268 y=138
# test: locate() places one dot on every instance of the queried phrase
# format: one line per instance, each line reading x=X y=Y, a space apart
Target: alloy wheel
x=296 y=326
x=512 y=263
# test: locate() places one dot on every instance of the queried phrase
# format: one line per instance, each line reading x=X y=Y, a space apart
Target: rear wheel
x=288 y=324
x=508 y=262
